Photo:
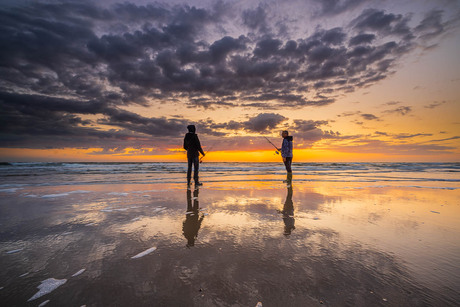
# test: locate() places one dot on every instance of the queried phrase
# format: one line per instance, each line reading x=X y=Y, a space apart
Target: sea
x=134 y=234
x=442 y=175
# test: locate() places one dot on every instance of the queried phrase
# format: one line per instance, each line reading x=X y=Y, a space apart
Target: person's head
x=191 y=128
x=285 y=133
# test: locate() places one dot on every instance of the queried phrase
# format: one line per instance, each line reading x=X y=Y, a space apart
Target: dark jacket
x=192 y=144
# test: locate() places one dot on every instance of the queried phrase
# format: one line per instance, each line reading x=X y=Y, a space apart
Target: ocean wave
x=64 y=173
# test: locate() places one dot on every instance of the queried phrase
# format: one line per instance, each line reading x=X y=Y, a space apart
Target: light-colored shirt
x=286 y=148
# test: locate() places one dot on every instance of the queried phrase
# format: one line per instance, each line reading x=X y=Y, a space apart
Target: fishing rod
x=277 y=152
x=201 y=159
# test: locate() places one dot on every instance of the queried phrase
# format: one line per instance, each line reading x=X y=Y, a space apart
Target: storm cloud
x=69 y=68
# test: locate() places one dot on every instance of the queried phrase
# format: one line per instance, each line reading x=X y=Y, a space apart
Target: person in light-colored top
x=286 y=154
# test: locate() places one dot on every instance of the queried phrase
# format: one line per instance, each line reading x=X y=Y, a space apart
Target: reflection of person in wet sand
x=192 y=222
x=288 y=213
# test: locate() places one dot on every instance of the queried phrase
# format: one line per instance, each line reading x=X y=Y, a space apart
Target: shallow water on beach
x=232 y=242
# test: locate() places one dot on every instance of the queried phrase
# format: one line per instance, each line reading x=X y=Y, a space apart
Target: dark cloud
x=334 y=7
x=362 y=39
x=307 y=132
x=401 y=135
x=256 y=19
x=221 y=48
x=150 y=126
x=45 y=122
x=368 y=116
x=403 y=110
x=409 y=136
x=259 y=123
x=264 y=121
x=384 y=23
x=307 y=125
x=81 y=50
x=392 y=103
x=334 y=36
x=278 y=100
x=347 y=114
x=446 y=139
x=67 y=67
x=267 y=47
x=432 y=25
x=211 y=103
x=435 y=104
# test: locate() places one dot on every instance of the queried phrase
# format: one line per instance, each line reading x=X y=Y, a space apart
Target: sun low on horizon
x=110 y=81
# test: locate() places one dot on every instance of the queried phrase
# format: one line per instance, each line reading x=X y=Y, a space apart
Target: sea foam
x=146 y=252
x=44 y=303
x=11 y=190
x=64 y=194
x=79 y=272
x=118 y=193
x=47 y=286
x=14 y=251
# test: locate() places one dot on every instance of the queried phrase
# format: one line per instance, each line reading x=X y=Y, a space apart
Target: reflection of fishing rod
x=201 y=159
x=277 y=152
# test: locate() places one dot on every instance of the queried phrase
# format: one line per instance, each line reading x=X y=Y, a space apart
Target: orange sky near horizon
x=300 y=155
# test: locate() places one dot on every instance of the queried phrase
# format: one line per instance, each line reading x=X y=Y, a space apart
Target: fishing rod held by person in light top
x=277 y=150
x=201 y=159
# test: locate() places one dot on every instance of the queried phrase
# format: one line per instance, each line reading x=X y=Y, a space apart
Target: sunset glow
x=352 y=81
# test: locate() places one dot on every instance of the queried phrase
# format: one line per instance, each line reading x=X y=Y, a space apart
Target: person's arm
x=283 y=148
x=185 y=143
x=199 y=146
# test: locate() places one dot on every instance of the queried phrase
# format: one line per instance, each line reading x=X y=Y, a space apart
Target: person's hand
x=284 y=159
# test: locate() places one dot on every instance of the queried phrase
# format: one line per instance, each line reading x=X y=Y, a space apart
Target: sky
x=351 y=80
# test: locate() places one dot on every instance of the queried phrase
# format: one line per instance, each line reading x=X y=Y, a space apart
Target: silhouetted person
x=286 y=154
x=193 y=147
x=288 y=213
x=192 y=222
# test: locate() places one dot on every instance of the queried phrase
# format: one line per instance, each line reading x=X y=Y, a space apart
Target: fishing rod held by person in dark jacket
x=207 y=151
x=193 y=147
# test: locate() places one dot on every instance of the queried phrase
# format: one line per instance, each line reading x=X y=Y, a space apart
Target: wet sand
x=232 y=243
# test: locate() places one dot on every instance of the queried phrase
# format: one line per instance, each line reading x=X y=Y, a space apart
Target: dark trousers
x=193 y=159
x=288 y=163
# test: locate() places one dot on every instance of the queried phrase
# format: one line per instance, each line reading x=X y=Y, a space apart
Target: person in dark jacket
x=286 y=154
x=193 y=147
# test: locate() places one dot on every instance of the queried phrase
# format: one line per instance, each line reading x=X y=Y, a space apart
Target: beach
x=132 y=234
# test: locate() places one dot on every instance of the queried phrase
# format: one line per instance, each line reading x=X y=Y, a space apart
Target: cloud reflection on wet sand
x=348 y=244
